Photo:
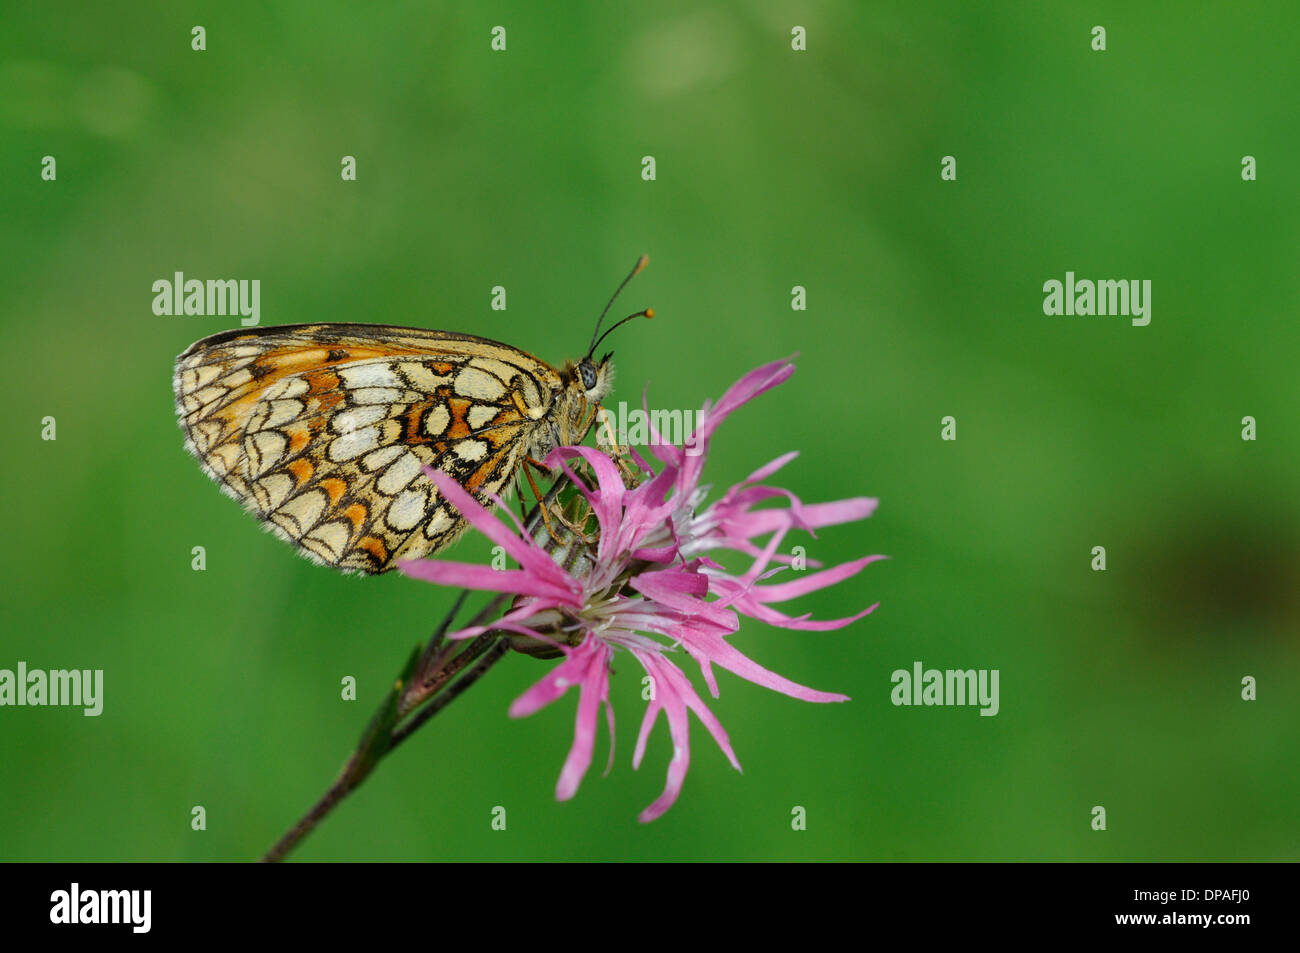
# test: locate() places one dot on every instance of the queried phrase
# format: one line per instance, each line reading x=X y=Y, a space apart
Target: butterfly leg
x=575 y=530
x=537 y=494
x=607 y=443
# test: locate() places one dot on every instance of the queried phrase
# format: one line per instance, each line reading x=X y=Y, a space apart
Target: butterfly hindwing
x=322 y=431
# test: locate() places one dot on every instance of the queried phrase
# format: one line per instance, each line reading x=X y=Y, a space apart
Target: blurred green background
x=774 y=168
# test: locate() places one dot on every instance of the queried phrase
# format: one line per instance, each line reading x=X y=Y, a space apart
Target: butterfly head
x=587 y=382
x=593 y=379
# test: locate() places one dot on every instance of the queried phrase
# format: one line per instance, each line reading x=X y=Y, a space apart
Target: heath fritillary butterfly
x=322 y=431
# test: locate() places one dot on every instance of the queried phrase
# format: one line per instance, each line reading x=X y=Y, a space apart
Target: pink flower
x=650 y=588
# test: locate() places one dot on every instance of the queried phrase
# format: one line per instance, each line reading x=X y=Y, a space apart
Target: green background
x=775 y=168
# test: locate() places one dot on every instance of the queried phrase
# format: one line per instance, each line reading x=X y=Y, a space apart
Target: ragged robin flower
x=635 y=573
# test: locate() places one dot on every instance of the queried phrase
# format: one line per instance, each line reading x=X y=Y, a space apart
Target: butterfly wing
x=322 y=431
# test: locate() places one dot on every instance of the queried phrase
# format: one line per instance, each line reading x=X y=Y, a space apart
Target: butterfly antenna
x=596 y=336
x=647 y=313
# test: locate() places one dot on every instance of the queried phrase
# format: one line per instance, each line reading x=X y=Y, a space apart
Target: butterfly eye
x=588 y=375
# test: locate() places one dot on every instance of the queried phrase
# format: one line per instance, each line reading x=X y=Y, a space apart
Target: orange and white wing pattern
x=321 y=430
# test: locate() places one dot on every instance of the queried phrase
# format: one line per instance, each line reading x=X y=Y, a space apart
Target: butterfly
x=323 y=431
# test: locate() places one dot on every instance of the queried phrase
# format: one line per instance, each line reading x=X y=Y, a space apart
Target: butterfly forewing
x=322 y=431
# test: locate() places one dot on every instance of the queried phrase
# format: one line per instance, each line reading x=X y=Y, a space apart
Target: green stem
x=429 y=686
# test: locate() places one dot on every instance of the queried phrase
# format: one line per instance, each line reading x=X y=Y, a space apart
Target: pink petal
x=680 y=590
x=483 y=578
x=679 y=730
x=765 y=471
x=661 y=554
x=763 y=613
x=624 y=516
x=671 y=582
x=594 y=690
x=646 y=507
x=647 y=722
x=702 y=643
x=609 y=723
x=552 y=685
x=738 y=519
x=757 y=381
x=511 y=622
x=811 y=582
x=531 y=557
x=840 y=511
x=607 y=500
x=761 y=561
x=687 y=693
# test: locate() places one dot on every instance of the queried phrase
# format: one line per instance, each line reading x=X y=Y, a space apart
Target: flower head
x=647 y=585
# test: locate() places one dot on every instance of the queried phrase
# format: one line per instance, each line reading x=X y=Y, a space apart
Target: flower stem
x=496 y=650
x=434 y=689
x=337 y=792
x=427 y=686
